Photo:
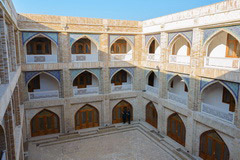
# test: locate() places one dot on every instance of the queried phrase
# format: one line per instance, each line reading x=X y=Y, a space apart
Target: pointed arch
x=85 y=70
x=88 y=37
x=178 y=75
x=122 y=38
x=120 y=70
x=176 y=128
x=151 y=114
x=150 y=42
x=224 y=52
x=212 y=146
x=86 y=117
x=175 y=39
x=43 y=73
x=224 y=85
x=150 y=78
x=40 y=35
x=45 y=122
x=118 y=109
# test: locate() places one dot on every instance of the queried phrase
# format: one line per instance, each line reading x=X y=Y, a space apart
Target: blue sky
x=109 y=9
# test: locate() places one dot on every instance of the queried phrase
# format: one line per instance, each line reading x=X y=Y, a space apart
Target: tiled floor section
x=130 y=145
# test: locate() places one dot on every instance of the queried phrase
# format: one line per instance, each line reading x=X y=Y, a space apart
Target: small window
x=39 y=46
x=228 y=98
x=119 y=78
x=120 y=46
x=82 y=46
x=82 y=80
x=34 y=84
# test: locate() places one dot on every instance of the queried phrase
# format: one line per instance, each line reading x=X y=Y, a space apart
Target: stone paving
x=129 y=145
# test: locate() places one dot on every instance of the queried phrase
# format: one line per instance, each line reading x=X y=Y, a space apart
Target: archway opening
x=151 y=115
x=120 y=46
x=84 y=46
x=181 y=47
x=86 y=117
x=213 y=147
x=43 y=86
x=152 y=80
x=176 y=129
x=2 y=143
x=154 y=47
x=121 y=78
x=45 y=122
x=118 y=110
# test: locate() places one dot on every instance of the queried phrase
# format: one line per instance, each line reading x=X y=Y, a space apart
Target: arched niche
x=40 y=45
x=121 y=77
x=86 y=117
x=152 y=79
x=85 y=79
x=219 y=95
x=223 y=44
x=151 y=115
x=180 y=46
x=153 y=46
x=45 y=122
x=178 y=86
x=121 y=46
x=84 y=45
x=212 y=146
x=176 y=129
x=118 y=109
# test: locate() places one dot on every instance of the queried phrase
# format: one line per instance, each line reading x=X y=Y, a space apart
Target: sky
x=110 y=9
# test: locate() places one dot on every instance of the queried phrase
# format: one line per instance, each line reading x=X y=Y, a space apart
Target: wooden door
x=151 y=115
x=45 y=122
x=176 y=129
x=86 y=117
x=212 y=147
x=118 y=109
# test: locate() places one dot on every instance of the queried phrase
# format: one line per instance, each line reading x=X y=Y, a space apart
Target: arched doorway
x=118 y=109
x=176 y=129
x=86 y=117
x=151 y=114
x=212 y=147
x=45 y=122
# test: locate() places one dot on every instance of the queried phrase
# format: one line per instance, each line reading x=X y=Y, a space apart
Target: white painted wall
x=93 y=48
x=213 y=95
x=94 y=82
x=47 y=83
x=217 y=46
x=178 y=87
x=181 y=46
x=129 y=49
x=157 y=48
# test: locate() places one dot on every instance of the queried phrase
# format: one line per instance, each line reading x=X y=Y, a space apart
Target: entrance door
x=151 y=115
x=212 y=147
x=86 y=117
x=45 y=122
x=118 y=109
x=176 y=129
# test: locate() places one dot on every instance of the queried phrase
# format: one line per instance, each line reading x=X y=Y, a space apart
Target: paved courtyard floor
x=129 y=145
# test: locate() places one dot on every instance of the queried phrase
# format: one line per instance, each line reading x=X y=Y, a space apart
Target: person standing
x=129 y=116
x=124 y=115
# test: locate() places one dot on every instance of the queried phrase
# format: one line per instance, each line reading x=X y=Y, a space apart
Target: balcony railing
x=85 y=91
x=151 y=89
x=43 y=94
x=121 y=57
x=224 y=63
x=84 y=57
x=177 y=98
x=179 y=59
x=124 y=87
x=41 y=58
x=3 y=155
x=215 y=111
x=153 y=57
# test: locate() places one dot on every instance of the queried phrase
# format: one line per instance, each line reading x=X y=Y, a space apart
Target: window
x=34 y=84
x=233 y=48
x=39 y=46
x=119 y=78
x=120 y=46
x=82 y=80
x=82 y=46
x=151 y=79
x=228 y=98
x=152 y=47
